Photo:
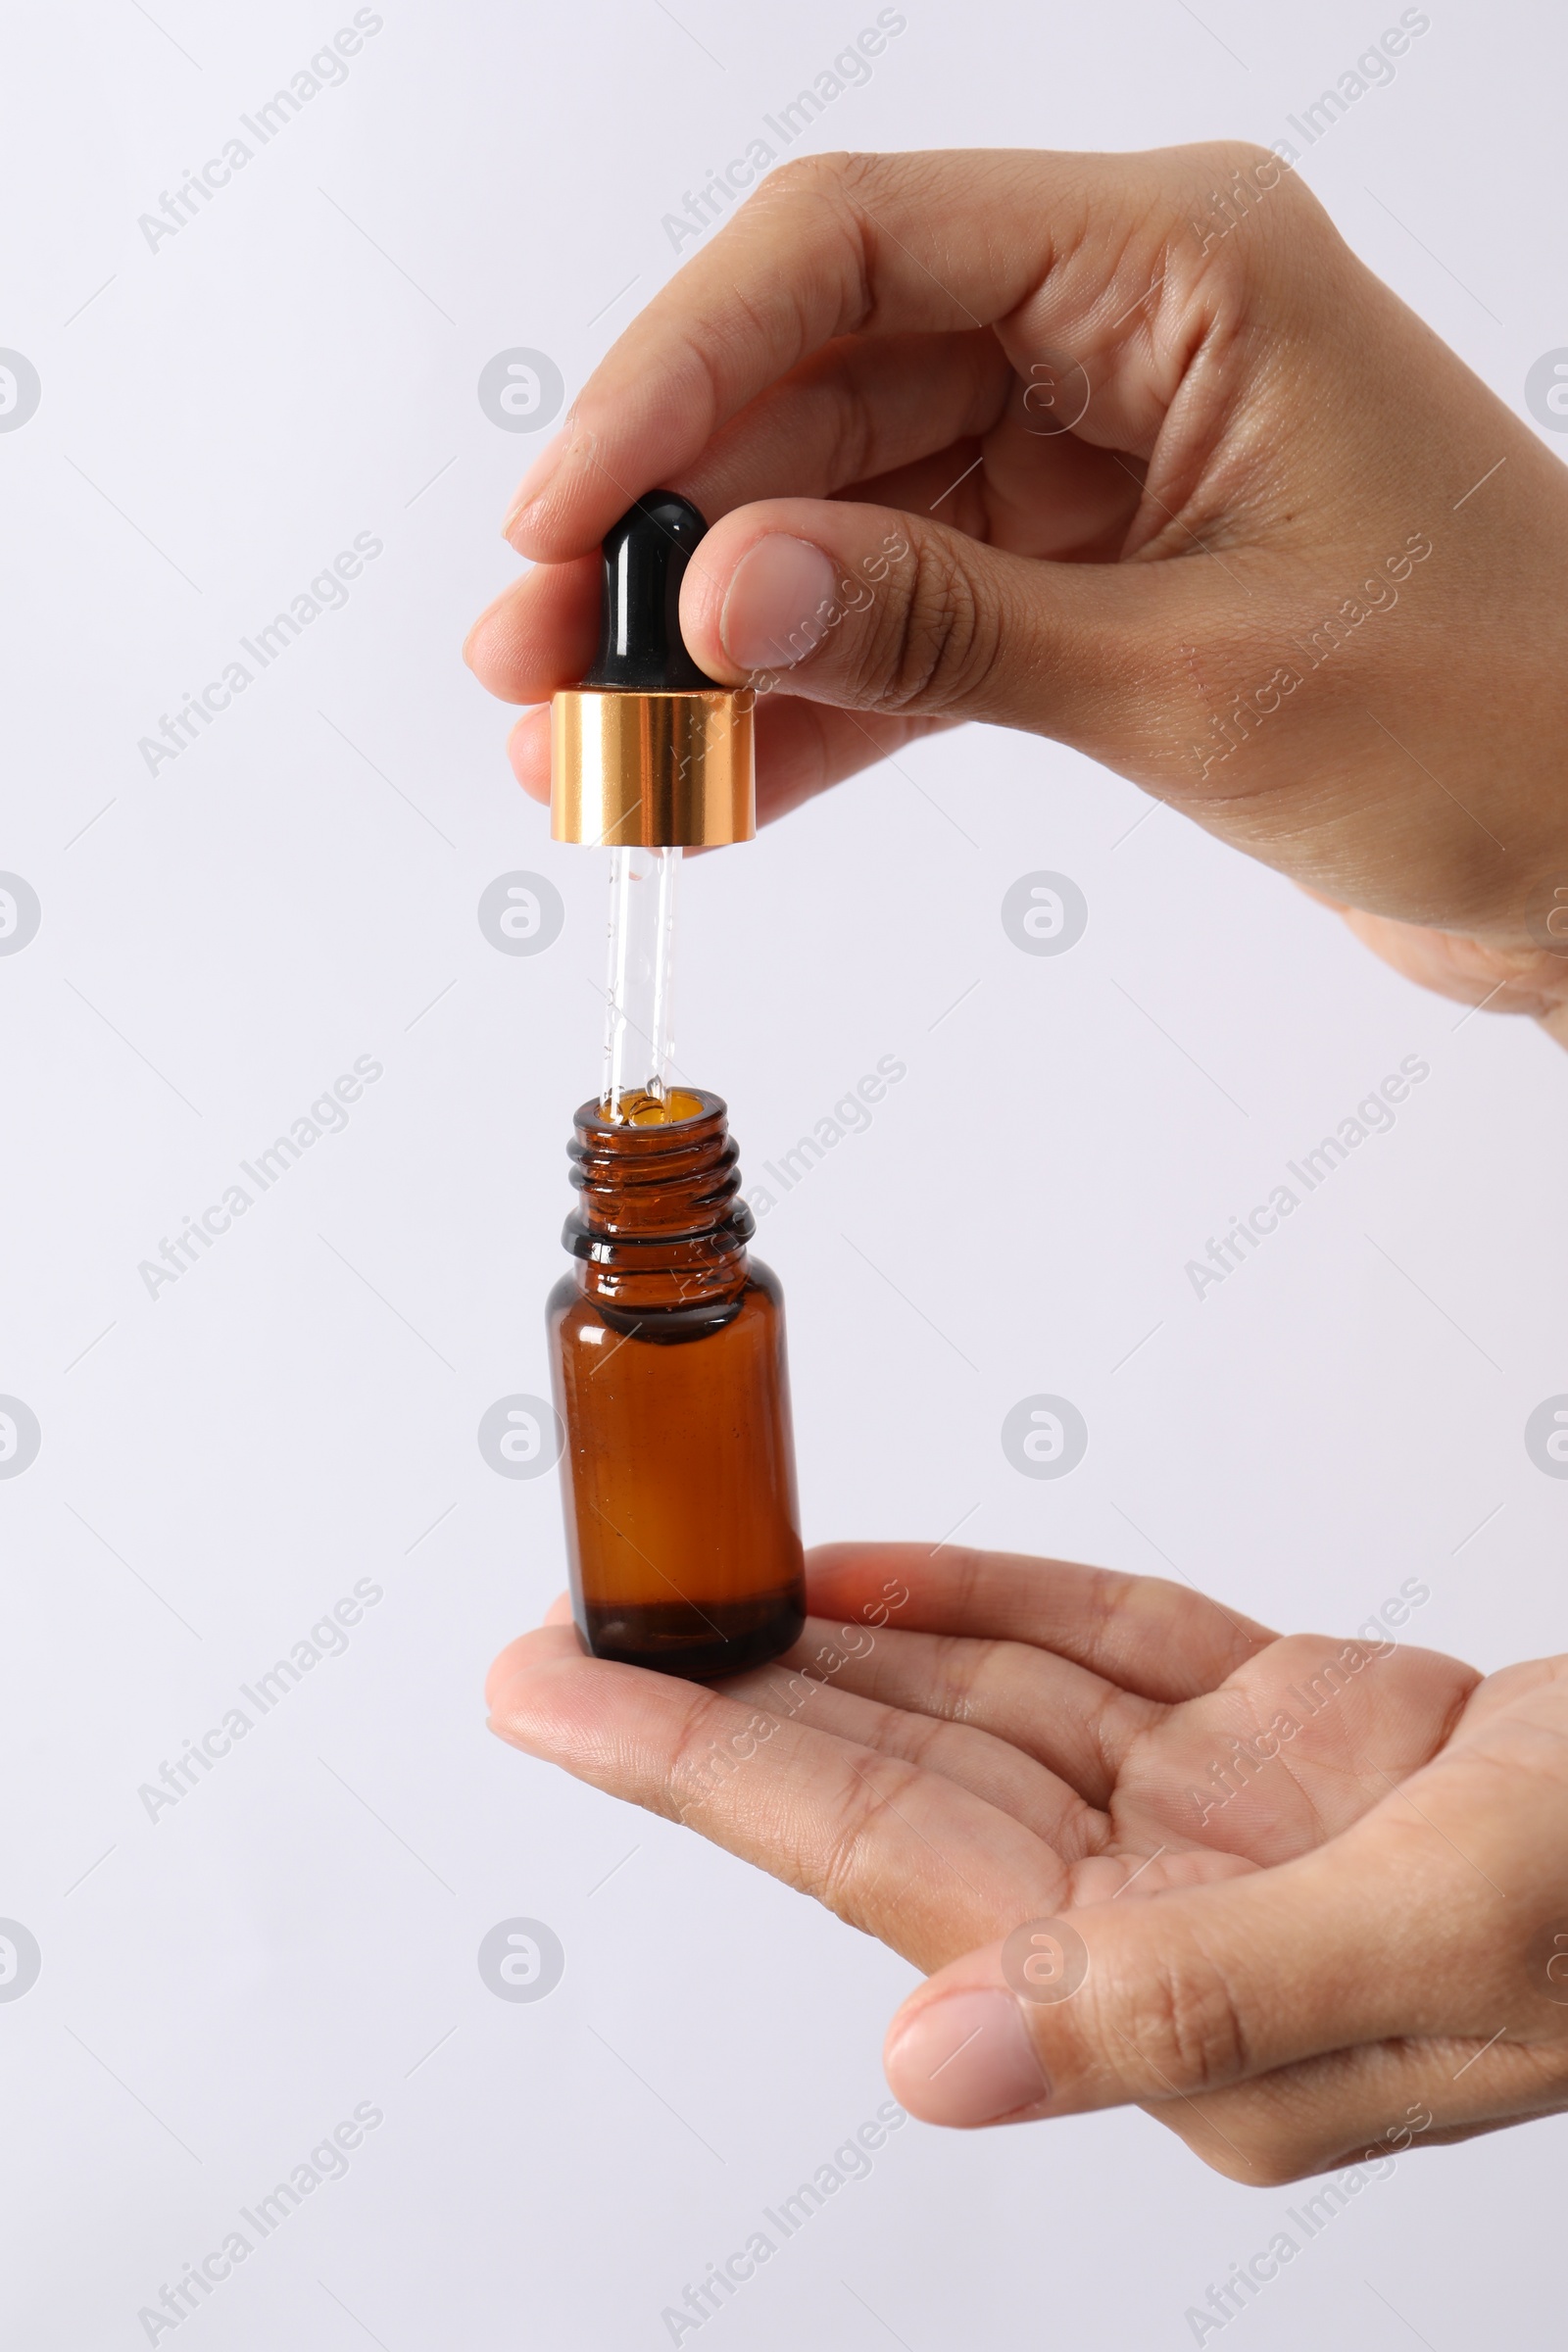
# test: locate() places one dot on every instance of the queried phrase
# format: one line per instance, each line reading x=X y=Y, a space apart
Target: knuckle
x=830 y=175
x=838 y=1874
x=1242 y=155
x=834 y=1879
x=830 y=184
x=1220 y=162
x=849 y=458
x=1188 y=2014
x=861 y=171
x=696 y=1771
x=934 y=651
x=1246 y=214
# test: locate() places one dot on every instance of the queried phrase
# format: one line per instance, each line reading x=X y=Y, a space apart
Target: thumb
x=1178 y=1994
x=873 y=608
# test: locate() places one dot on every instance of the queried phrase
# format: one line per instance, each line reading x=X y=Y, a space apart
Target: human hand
x=1308 y=1888
x=1060 y=443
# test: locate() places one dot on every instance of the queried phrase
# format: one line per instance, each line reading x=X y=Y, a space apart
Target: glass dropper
x=639 y=990
x=648 y=756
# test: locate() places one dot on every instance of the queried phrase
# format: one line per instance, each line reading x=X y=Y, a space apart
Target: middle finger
x=1077 y=1724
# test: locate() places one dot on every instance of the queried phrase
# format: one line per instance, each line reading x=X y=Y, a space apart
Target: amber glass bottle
x=666 y=1347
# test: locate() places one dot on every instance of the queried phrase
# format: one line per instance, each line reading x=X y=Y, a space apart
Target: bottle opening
x=648 y=1106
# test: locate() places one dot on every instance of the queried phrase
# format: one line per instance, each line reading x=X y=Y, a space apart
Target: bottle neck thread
x=660 y=1222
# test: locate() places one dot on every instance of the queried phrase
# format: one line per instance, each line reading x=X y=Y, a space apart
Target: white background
x=297 y=366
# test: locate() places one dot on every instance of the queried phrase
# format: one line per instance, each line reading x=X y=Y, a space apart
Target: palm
x=1307 y=1736
x=1018 y=1737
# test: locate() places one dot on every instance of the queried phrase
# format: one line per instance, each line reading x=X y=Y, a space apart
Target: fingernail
x=538 y=476
x=967 y=2059
x=771 y=615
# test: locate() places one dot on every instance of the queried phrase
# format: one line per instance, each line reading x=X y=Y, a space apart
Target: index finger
x=906 y=1854
x=839 y=244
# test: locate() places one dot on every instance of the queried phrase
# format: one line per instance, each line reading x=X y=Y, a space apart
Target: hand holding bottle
x=1127 y=450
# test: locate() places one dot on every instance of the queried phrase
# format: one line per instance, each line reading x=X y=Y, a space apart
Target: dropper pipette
x=639 y=994
x=648 y=757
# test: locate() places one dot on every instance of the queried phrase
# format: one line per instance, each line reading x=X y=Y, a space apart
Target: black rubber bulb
x=646 y=553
